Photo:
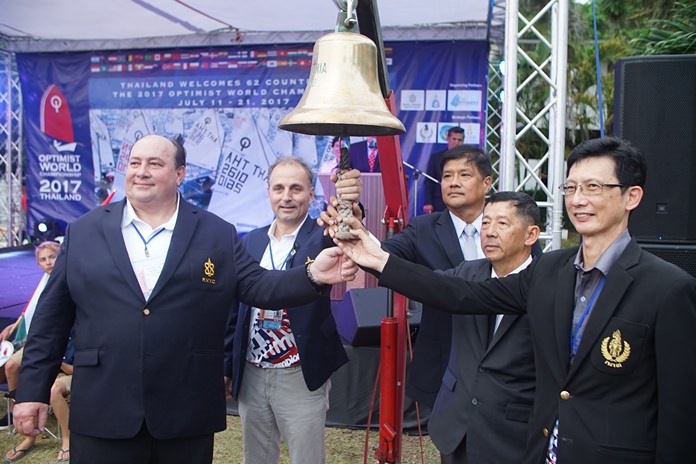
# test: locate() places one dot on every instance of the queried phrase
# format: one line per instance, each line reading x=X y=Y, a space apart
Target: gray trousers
x=275 y=403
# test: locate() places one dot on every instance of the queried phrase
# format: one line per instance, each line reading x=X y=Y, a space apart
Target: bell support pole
x=348 y=94
x=394 y=328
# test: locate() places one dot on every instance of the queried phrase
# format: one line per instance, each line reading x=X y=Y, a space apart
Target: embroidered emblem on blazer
x=615 y=350
x=209 y=271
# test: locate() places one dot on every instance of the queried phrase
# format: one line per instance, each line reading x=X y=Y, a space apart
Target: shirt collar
x=293 y=234
x=459 y=224
x=522 y=266
x=129 y=216
x=609 y=257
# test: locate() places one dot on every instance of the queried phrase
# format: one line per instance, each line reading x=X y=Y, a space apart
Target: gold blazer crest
x=615 y=350
x=209 y=271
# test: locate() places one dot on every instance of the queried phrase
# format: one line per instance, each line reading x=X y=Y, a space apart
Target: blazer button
x=474 y=401
x=146 y=312
x=565 y=395
x=546 y=432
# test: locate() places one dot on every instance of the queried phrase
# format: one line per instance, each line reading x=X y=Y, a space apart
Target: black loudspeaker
x=655 y=109
x=359 y=314
x=683 y=256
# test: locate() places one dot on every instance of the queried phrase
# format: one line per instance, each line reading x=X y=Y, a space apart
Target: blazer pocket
x=621 y=455
x=619 y=348
x=206 y=361
x=207 y=352
x=86 y=358
x=518 y=412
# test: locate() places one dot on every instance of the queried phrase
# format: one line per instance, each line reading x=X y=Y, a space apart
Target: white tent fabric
x=53 y=25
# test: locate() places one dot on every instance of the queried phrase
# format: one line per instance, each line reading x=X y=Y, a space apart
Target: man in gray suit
x=485 y=399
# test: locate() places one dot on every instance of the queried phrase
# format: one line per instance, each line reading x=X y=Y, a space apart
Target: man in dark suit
x=364 y=155
x=487 y=390
x=432 y=199
x=436 y=241
x=148 y=284
x=612 y=325
x=296 y=348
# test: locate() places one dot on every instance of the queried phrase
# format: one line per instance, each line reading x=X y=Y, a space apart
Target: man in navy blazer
x=148 y=284
x=482 y=410
x=282 y=360
x=612 y=325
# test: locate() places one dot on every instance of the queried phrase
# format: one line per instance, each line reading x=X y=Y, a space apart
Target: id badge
x=271 y=320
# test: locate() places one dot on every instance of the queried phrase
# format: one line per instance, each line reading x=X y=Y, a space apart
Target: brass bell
x=343 y=96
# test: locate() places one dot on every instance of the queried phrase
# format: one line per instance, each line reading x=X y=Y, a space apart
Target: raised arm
x=451 y=294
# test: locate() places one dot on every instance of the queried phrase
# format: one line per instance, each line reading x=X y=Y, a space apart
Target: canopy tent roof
x=52 y=25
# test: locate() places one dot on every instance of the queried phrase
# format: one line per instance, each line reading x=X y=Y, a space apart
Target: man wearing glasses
x=613 y=326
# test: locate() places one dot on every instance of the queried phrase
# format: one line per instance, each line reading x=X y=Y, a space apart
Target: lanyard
x=269 y=319
x=145 y=242
x=270 y=251
x=576 y=337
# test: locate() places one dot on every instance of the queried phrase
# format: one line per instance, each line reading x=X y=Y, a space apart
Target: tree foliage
x=674 y=35
x=624 y=28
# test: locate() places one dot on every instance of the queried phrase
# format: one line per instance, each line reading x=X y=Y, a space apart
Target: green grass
x=343 y=446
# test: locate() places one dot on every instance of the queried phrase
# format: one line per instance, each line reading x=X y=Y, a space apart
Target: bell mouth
x=343 y=122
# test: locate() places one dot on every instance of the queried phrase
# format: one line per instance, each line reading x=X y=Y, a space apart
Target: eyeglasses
x=589 y=189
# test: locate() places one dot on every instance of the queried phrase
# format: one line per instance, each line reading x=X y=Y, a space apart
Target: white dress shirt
x=147 y=267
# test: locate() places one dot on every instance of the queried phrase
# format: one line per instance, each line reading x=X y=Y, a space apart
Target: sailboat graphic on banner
x=55 y=117
x=204 y=141
x=241 y=182
x=138 y=128
x=101 y=143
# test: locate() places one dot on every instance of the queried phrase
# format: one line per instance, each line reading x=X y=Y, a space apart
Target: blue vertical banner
x=59 y=169
x=83 y=113
x=437 y=85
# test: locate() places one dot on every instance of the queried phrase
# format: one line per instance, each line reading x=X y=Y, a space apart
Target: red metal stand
x=394 y=325
x=389 y=442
